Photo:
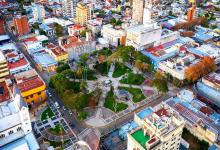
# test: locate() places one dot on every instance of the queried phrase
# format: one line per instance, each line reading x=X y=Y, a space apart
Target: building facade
x=69 y=8
x=83 y=14
x=21 y=24
x=4 y=71
x=138 y=10
x=38 y=12
x=15 y=129
x=115 y=36
x=31 y=86
x=158 y=128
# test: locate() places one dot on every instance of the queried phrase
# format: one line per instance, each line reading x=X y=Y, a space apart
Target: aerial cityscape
x=109 y=75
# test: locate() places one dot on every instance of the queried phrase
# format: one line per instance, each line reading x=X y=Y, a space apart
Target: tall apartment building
x=69 y=8
x=4 y=71
x=83 y=14
x=21 y=24
x=157 y=128
x=138 y=10
x=15 y=128
x=38 y=12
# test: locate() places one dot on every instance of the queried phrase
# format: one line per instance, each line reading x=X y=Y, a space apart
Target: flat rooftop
x=214 y=78
x=164 y=49
x=139 y=29
x=140 y=137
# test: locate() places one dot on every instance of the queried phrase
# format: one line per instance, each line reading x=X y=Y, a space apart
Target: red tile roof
x=162 y=112
x=30 y=83
x=56 y=50
x=206 y=110
x=31 y=39
x=5 y=95
x=73 y=42
x=76 y=27
x=18 y=63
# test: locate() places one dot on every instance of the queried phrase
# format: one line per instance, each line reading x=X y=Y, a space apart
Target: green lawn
x=47 y=113
x=103 y=68
x=135 y=79
x=137 y=93
x=58 y=130
x=120 y=70
x=110 y=103
x=56 y=144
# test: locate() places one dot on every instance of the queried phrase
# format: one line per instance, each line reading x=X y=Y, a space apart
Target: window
x=39 y=93
x=31 y=96
x=10 y=132
x=2 y=136
x=19 y=129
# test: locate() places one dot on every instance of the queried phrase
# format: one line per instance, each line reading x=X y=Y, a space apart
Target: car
x=70 y=112
x=56 y=105
x=64 y=108
x=49 y=94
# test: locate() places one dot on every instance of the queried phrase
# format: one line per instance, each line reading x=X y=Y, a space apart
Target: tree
x=122 y=54
x=161 y=85
x=83 y=33
x=36 y=25
x=200 y=69
x=84 y=57
x=62 y=67
x=58 y=29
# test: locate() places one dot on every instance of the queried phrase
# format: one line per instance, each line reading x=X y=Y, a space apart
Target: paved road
x=71 y=119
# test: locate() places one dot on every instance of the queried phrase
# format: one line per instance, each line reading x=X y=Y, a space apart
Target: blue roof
x=202 y=36
x=213 y=147
x=197 y=52
x=45 y=27
x=144 y=113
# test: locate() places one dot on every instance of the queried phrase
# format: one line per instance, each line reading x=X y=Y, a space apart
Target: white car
x=70 y=112
x=57 y=105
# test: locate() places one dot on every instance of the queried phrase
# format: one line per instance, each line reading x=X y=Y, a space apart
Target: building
x=31 y=86
x=177 y=65
x=138 y=10
x=57 y=52
x=38 y=12
x=4 y=71
x=209 y=50
x=115 y=35
x=208 y=89
x=48 y=30
x=21 y=24
x=83 y=14
x=69 y=8
x=160 y=127
x=75 y=46
x=143 y=36
x=16 y=61
x=15 y=128
x=201 y=120
x=44 y=61
x=33 y=45
x=75 y=30
x=95 y=26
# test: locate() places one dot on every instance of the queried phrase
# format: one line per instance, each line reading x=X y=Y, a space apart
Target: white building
x=38 y=12
x=69 y=8
x=15 y=128
x=75 y=46
x=143 y=36
x=176 y=66
x=115 y=36
x=159 y=128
